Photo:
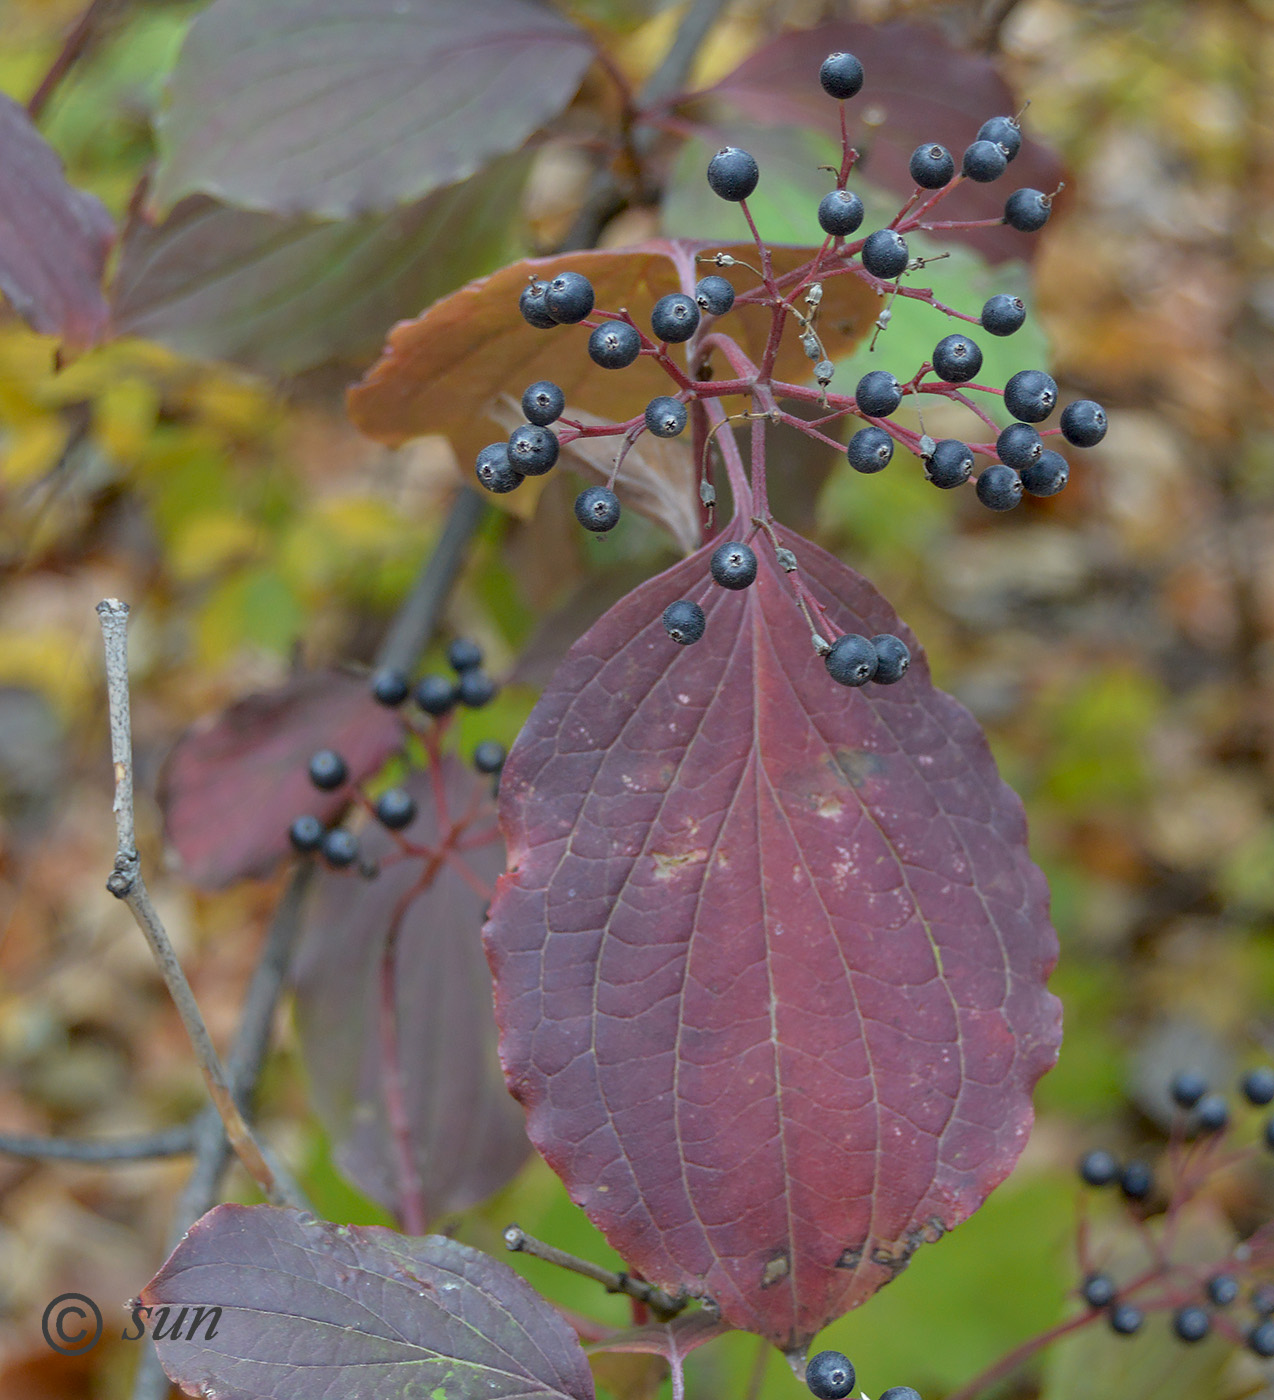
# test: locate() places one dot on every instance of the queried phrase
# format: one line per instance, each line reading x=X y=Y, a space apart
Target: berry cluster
x=395 y=808
x=830 y=1376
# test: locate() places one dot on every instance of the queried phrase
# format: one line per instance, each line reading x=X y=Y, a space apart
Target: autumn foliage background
x=1117 y=643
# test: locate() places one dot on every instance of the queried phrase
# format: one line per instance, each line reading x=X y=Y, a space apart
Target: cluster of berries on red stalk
x=395 y=809
x=1200 y=1295
x=1018 y=459
x=830 y=1376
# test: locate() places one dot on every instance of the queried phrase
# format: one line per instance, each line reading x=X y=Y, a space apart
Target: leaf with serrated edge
x=339 y=108
x=771 y=954
x=309 y=1308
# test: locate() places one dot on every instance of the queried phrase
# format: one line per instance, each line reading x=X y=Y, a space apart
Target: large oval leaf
x=309 y=1309
x=771 y=954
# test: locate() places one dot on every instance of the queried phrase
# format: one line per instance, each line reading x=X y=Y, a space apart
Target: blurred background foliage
x=1117 y=642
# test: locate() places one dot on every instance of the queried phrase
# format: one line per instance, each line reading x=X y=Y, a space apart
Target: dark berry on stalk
x=1211 y=1113
x=568 y=298
x=999 y=487
x=884 y=253
x=878 y=393
x=531 y=305
x=1083 y=423
x=870 y=450
x=495 y=471
x=1004 y=131
x=340 y=847
x=1258 y=1086
x=390 y=687
x=614 y=345
x=435 y=694
x=1261 y=1339
x=840 y=212
x=733 y=174
x=665 y=416
x=1003 y=314
x=841 y=75
x=1099 y=1290
x=684 y=621
x=1191 y=1323
x=852 y=660
x=1098 y=1167
x=475 y=689
x=1222 y=1290
x=830 y=1375
x=900 y=1392
x=597 y=509
x=1031 y=395
x=1047 y=475
x=892 y=658
x=396 y=809
x=1268 y=1136
x=1136 y=1181
x=464 y=654
x=306 y=834
x=1187 y=1087
x=674 y=317
x=328 y=770
x=950 y=464
x=956 y=358
x=532 y=450
x=1126 y=1318
x=931 y=166
x=543 y=403
x=733 y=565
x=488 y=756
x=1027 y=210
x=984 y=161
x=715 y=295
x=1019 y=445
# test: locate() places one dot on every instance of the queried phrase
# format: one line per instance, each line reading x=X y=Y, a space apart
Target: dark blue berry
x=543 y=403
x=830 y=1375
x=892 y=658
x=1004 y=131
x=464 y=654
x=1027 y=210
x=1222 y=1290
x=568 y=298
x=396 y=809
x=1125 y=1319
x=1099 y=1290
x=950 y=464
x=733 y=565
x=841 y=75
x=884 y=253
x=715 y=295
x=475 y=689
x=674 y=317
x=1003 y=314
x=1019 y=445
x=1261 y=1339
x=1258 y=1086
x=1136 y=1181
x=999 y=487
x=390 y=687
x=840 y=212
x=532 y=449
x=1083 y=423
x=531 y=305
x=852 y=660
x=1098 y=1167
x=878 y=393
x=306 y=834
x=495 y=471
x=1262 y=1299
x=931 y=166
x=870 y=450
x=900 y=1392
x=733 y=174
x=1047 y=475
x=597 y=509
x=1191 y=1323
x=614 y=345
x=328 y=770
x=665 y=416
x=956 y=358
x=984 y=161
x=435 y=694
x=1211 y=1114
x=1268 y=1133
x=488 y=756
x=339 y=847
x=684 y=621
x=1187 y=1087
x=1031 y=395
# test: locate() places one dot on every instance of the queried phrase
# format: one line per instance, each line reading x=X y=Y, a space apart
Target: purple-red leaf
x=310 y=1309
x=53 y=238
x=233 y=785
x=466 y=1133
x=339 y=108
x=771 y=954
